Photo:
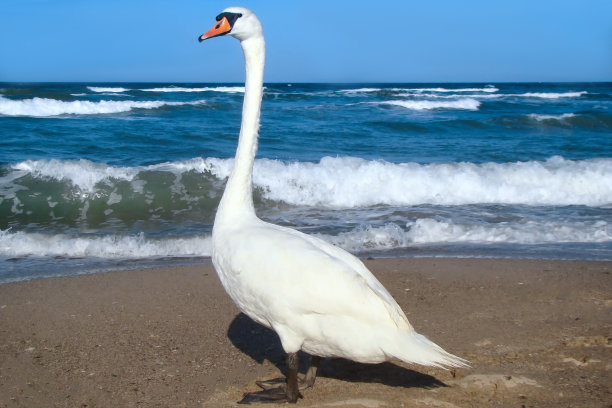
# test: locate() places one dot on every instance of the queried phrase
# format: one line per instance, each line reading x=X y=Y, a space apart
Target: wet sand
x=537 y=333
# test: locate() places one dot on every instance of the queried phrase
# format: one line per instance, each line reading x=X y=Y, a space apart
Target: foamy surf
x=225 y=89
x=541 y=118
x=365 y=238
x=104 y=89
x=45 y=107
x=423 y=105
x=431 y=231
x=24 y=244
x=348 y=182
x=111 y=90
x=87 y=176
x=488 y=89
x=552 y=95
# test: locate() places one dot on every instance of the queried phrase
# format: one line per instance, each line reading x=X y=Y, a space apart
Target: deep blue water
x=110 y=176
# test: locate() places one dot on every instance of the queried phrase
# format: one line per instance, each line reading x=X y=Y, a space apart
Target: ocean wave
x=83 y=174
x=23 y=244
x=346 y=182
x=364 y=238
x=105 y=89
x=584 y=120
x=434 y=231
x=541 y=118
x=419 y=91
x=226 y=89
x=429 y=230
x=45 y=107
x=488 y=93
x=111 y=90
x=420 y=105
x=86 y=175
x=352 y=182
x=485 y=89
x=551 y=95
x=360 y=90
x=452 y=96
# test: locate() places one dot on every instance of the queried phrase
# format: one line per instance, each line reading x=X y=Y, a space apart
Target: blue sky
x=309 y=41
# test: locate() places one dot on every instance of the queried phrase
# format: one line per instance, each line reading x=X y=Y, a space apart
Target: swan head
x=239 y=22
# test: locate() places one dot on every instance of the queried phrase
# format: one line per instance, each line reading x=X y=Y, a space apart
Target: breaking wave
x=361 y=239
x=45 y=107
x=227 y=89
x=552 y=95
x=562 y=117
x=346 y=182
x=107 y=89
x=22 y=244
x=466 y=103
x=434 y=231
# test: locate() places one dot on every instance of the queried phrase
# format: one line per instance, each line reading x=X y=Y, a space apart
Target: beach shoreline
x=537 y=333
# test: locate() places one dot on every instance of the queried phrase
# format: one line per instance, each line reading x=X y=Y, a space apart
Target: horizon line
x=311 y=82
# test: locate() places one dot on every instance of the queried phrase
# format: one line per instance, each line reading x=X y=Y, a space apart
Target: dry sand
x=537 y=334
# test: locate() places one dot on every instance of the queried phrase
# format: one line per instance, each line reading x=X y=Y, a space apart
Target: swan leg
x=309 y=379
x=306 y=382
x=293 y=390
x=288 y=391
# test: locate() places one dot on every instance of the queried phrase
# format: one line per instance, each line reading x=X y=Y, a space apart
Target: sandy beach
x=537 y=333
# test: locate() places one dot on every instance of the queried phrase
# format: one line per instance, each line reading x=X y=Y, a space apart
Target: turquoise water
x=100 y=177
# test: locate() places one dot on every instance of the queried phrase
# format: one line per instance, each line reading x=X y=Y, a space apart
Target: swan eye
x=231 y=17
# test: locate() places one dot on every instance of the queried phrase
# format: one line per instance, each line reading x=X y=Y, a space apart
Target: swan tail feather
x=418 y=349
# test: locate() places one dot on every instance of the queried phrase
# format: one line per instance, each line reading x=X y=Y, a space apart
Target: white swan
x=318 y=298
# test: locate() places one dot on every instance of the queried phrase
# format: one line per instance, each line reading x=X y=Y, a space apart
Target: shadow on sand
x=261 y=343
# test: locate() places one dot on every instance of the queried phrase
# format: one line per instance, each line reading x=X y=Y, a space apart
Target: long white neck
x=237 y=199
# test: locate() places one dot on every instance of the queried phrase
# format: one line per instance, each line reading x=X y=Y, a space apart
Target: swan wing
x=287 y=273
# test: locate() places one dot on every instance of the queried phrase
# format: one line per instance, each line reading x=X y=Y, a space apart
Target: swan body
x=317 y=297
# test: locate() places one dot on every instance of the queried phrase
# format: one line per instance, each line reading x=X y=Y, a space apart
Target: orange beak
x=221 y=27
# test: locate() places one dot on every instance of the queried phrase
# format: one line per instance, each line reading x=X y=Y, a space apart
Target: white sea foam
x=485 y=89
x=419 y=91
x=227 y=89
x=552 y=95
x=231 y=89
x=20 y=244
x=432 y=231
x=359 y=90
x=561 y=117
x=45 y=107
x=107 y=89
x=85 y=174
x=464 y=103
x=422 y=231
x=452 y=96
x=429 y=230
x=441 y=93
x=347 y=182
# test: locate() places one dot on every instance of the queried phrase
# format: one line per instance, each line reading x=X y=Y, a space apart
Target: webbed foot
x=271 y=395
x=281 y=382
x=277 y=390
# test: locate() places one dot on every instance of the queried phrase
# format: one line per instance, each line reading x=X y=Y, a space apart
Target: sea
x=98 y=177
